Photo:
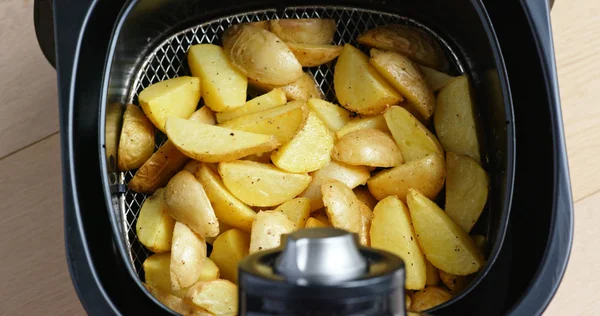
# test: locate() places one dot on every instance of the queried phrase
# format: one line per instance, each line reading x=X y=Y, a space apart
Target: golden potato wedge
x=467 y=187
x=429 y=297
x=157 y=273
x=136 y=144
x=187 y=256
x=413 y=138
x=261 y=55
x=407 y=40
x=342 y=206
x=175 y=303
x=362 y=194
x=228 y=249
x=223 y=228
x=172 y=97
x=455 y=283
x=358 y=86
x=210 y=143
x=366 y=216
x=435 y=79
x=433 y=275
x=426 y=174
x=367 y=147
x=312 y=222
x=455 y=119
x=219 y=297
x=283 y=121
x=321 y=215
x=204 y=115
x=228 y=209
x=224 y=87
x=187 y=203
x=407 y=302
x=209 y=270
x=304 y=31
x=444 y=243
x=392 y=230
x=262 y=157
x=312 y=55
x=480 y=242
x=271 y=99
x=192 y=166
x=351 y=176
x=260 y=184
x=297 y=210
x=302 y=89
x=406 y=77
x=267 y=228
x=154 y=227
x=376 y=122
x=333 y=116
x=308 y=151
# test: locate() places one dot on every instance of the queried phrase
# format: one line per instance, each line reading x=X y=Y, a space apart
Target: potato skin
x=429 y=297
x=136 y=144
x=187 y=257
x=304 y=31
x=267 y=228
x=367 y=147
x=314 y=55
x=302 y=89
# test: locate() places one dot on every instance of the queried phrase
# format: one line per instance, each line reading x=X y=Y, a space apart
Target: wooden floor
x=33 y=272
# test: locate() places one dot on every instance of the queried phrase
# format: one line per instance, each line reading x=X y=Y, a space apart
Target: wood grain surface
x=34 y=274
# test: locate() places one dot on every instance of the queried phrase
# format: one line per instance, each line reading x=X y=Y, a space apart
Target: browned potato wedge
x=366 y=216
x=455 y=283
x=136 y=144
x=367 y=147
x=426 y=174
x=154 y=227
x=312 y=222
x=210 y=143
x=435 y=79
x=271 y=99
x=302 y=89
x=376 y=122
x=228 y=249
x=444 y=243
x=175 y=303
x=260 y=184
x=187 y=203
x=333 y=116
x=433 y=275
x=407 y=40
x=297 y=210
x=261 y=55
x=172 y=97
x=362 y=194
x=187 y=256
x=351 y=176
x=467 y=187
x=358 y=86
x=342 y=206
x=406 y=77
x=429 y=297
x=267 y=228
x=308 y=151
x=391 y=230
x=305 y=31
x=456 y=122
x=219 y=297
x=312 y=55
x=413 y=138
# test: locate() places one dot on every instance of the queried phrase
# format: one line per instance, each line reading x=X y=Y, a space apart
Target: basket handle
x=43 y=19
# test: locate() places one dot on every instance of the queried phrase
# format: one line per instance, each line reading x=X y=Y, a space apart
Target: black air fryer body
x=537 y=242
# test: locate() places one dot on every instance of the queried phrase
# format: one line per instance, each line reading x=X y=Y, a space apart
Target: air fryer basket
x=152 y=38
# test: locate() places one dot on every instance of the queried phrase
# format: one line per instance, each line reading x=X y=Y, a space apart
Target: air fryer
x=102 y=53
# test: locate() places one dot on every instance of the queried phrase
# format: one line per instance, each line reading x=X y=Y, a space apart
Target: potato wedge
x=210 y=143
x=407 y=40
x=366 y=216
x=261 y=55
x=228 y=249
x=333 y=116
x=444 y=243
x=271 y=99
x=175 y=303
x=260 y=24
x=367 y=147
x=413 y=138
x=302 y=89
x=480 y=242
x=283 y=121
x=304 y=31
x=342 y=206
x=209 y=270
x=376 y=122
x=429 y=297
x=433 y=275
x=407 y=303
x=297 y=210
x=260 y=184
x=224 y=87
x=362 y=194
x=136 y=144
x=267 y=228
x=358 y=86
x=455 y=119
x=172 y=97
x=312 y=55
x=467 y=186
x=321 y=215
x=187 y=203
x=219 y=297
x=154 y=227
x=157 y=273
x=227 y=207
x=435 y=79
x=392 y=230
x=455 y=283
x=308 y=151
x=312 y=222
x=351 y=176
x=426 y=174
x=187 y=256
x=406 y=77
